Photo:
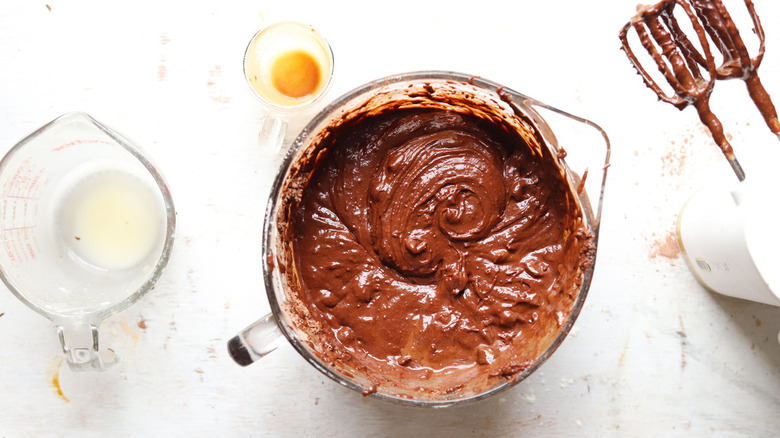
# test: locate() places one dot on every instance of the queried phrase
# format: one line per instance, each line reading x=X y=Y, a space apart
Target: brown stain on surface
x=171 y=330
x=215 y=93
x=129 y=330
x=673 y=163
x=665 y=246
x=683 y=344
x=54 y=369
x=162 y=68
x=622 y=359
x=162 y=71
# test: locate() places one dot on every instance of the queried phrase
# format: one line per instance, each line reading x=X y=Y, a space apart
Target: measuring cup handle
x=255 y=341
x=272 y=134
x=81 y=348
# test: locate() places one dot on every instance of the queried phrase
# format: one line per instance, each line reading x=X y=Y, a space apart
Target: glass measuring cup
x=87 y=228
x=586 y=153
x=289 y=67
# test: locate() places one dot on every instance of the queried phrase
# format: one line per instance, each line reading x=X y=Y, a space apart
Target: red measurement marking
x=10 y=252
x=75 y=142
x=30 y=249
x=26 y=180
x=23 y=246
x=22 y=197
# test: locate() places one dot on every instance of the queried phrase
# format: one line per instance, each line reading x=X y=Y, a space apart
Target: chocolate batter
x=434 y=249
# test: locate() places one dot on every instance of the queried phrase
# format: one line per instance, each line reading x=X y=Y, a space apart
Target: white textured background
x=652 y=354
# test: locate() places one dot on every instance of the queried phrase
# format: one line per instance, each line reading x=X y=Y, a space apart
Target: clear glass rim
x=283 y=109
x=97 y=316
x=592 y=217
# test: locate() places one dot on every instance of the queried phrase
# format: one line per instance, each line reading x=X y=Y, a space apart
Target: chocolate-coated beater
x=679 y=62
x=737 y=62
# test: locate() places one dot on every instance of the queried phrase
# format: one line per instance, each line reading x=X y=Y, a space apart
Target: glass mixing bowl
x=582 y=150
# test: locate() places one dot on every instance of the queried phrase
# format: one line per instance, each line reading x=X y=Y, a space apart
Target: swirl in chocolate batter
x=434 y=247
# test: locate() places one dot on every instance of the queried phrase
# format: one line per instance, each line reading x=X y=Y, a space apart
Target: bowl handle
x=255 y=341
x=586 y=145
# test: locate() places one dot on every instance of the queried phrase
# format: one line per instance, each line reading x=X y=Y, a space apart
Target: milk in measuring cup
x=112 y=220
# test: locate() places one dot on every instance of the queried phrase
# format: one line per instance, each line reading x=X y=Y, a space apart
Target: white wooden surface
x=652 y=354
